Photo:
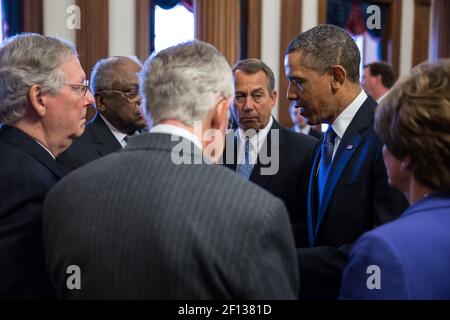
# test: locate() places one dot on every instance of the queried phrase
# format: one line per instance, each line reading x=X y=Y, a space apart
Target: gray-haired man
x=43 y=99
x=144 y=225
x=114 y=84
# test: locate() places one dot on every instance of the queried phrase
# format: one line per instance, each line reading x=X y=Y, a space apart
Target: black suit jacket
x=313 y=132
x=27 y=172
x=291 y=181
x=357 y=198
x=97 y=141
x=167 y=230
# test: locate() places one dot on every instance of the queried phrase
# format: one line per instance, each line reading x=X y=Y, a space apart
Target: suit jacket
x=357 y=198
x=412 y=253
x=291 y=181
x=27 y=172
x=312 y=132
x=140 y=226
x=96 y=141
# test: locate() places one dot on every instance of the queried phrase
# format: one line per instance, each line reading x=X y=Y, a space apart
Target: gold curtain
x=218 y=22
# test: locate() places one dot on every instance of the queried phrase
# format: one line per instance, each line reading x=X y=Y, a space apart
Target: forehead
x=127 y=72
x=252 y=81
x=295 y=67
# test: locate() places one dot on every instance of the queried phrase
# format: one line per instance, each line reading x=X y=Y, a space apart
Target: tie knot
x=330 y=135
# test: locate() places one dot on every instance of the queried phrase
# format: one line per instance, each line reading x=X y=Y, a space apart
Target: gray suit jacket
x=141 y=227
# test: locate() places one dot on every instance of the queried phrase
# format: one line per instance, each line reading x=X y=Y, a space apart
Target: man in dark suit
x=278 y=157
x=114 y=84
x=170 y=226
x=43 y=105
x=300 y=125
x=348 y=190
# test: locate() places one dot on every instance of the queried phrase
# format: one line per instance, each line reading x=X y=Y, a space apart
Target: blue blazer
x=412 y=253
x=27 y=172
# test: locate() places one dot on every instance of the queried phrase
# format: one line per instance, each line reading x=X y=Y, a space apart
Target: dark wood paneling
x=291 y=24
x=421 y=30
x=254 y=22
x=33 y=16
x=440 y=40
x=322 y=11
x=143 y=8
x=92 y=38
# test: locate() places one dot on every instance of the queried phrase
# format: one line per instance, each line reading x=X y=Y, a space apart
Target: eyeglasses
x=81 y=87
x=130 y=94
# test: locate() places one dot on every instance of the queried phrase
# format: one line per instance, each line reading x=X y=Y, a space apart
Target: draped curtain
x=169 y=4
x=12 y=17
x=352 y=16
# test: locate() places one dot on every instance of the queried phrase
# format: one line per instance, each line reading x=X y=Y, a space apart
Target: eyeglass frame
x=84 y=85
x=123 y=93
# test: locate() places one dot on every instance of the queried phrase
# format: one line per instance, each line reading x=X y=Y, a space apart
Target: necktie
x=245 y=169
x=325 y=161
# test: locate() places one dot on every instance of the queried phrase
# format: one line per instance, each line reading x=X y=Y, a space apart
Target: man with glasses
x=116 y=91
x=43 y=101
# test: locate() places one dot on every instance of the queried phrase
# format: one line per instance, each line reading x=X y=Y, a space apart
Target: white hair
x=184 y=82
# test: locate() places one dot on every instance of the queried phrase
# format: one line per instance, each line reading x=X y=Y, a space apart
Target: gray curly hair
x=25 y=60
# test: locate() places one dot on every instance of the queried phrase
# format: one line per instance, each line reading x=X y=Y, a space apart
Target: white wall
x=122 y=27
x=406 y=36
x=55 y=17
x=310 y=12
x=270 y=40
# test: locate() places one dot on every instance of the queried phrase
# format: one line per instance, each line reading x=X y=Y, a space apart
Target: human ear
x=338 y=76
x=37 y=99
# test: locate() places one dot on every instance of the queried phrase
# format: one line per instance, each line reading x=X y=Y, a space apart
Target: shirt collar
x=46 y=149
x=118 y=134
x=382 y=97
x=342 y=122
x=177 y=131
x=258 y=139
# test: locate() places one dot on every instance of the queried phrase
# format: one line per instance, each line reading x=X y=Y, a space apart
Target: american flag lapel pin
x=350 y=147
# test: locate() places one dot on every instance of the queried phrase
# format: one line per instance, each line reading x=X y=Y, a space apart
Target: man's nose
x=291 y=93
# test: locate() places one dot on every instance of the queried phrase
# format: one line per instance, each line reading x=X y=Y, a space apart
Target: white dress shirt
x=256 y=143
x=177 y=131
x=120 y=136
x=342 y=122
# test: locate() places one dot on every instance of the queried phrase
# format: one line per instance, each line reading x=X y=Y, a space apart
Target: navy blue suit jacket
x=97 y=141
x=27 y=172
x=412 y=254
x=357 y=198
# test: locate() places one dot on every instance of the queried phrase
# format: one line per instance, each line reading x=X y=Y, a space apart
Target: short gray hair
x=325 y=46
x=184 y=82
x=252 y=66
x=105 y=70
x=25 y=60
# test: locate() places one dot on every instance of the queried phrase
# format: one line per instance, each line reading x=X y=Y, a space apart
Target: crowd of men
x=155 y=199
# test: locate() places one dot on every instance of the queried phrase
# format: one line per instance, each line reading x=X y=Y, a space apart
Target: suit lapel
x=105 y=141
x=27 y=143
x=350 y=142
x=312 y=194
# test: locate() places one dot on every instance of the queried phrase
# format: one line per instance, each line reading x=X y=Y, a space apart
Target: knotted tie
x=245 y=169
x=326 y=157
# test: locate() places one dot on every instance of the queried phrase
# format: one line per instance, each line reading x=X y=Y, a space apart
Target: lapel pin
x=350 y=147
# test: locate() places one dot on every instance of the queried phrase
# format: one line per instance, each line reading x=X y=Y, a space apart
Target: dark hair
x=388 y=76
x=325 y=46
